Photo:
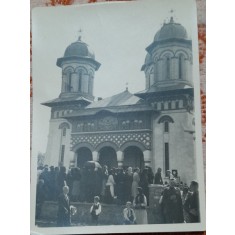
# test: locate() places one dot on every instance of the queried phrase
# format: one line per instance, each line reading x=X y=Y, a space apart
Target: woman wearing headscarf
x=110 y=187
x=135 y=183
x=140 y=203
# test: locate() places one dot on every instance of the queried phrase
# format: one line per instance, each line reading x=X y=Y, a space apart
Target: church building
x=154 y=127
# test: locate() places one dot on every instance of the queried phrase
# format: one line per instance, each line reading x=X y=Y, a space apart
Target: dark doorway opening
x=83 y=155
x=108 y=156
x=133 y=157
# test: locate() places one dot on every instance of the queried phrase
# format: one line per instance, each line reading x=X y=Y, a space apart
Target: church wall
x=55 y=141
x=181 y=145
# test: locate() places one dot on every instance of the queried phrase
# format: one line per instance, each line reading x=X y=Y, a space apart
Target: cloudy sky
x=118 y=33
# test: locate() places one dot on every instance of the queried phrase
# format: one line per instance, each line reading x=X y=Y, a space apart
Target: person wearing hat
x=140 y=203
x=129 y=214
x=95 y=210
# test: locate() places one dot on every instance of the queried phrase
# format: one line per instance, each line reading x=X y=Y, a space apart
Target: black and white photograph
x=116 y=120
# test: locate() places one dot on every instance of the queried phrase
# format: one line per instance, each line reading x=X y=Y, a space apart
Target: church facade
x=154 y=127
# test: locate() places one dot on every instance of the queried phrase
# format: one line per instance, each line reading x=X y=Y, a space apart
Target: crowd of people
x=128 y=186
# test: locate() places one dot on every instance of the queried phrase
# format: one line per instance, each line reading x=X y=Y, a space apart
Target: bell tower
x=78 y=69
x=168 y=63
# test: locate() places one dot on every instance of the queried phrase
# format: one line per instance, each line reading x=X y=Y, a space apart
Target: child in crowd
x=95 y=210
x=129 y=214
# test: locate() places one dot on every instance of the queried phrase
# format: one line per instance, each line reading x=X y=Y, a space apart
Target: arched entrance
x=108 y=156
x=133 y=157
x=83 y=154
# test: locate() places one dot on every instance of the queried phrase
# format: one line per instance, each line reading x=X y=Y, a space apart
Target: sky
x=117 y=33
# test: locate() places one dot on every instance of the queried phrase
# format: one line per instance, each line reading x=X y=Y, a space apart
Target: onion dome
x=171 y=30
x=78 y=51
x=79 y=48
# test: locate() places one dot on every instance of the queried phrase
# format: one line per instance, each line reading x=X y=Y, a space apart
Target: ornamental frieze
x=110 y=123
x=117 y=138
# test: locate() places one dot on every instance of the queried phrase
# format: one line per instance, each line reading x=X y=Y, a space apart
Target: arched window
x=166 y=118
x=166 y=126
x=64 y=126
x=176 y=104
x=169 y=105
x=168 y=61
x=181 y=66
x=69 y=82
x=80 y=81
x=64 y=131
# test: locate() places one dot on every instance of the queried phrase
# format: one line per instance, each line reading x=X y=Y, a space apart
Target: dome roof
x=171 y=30
x=80 y=49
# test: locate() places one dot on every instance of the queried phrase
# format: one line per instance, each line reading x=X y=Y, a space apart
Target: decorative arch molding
x=76 y=147
x=107 y=144
x=182 y=52
x=166 y=53
x=104 y=112
x=91 y=73
x=64 y=125
x=68 y=69
x=165 y=118
x=81 y=68
x=133 y=143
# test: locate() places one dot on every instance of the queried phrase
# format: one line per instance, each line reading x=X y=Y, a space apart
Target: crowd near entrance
x=83 y=155
x=133 y=156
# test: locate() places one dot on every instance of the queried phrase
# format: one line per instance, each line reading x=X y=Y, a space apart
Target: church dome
x=80 y=49
x=171 y=30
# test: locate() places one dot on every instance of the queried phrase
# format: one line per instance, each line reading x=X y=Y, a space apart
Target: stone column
x=146 y=79
x=85 y=78
x=147 y=158
x=63 y=87
x=95 y=156
x=90 y=86
x=120 y=158
x=160 y=66
x=188 y=75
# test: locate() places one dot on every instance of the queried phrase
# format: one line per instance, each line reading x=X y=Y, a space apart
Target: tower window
x=80 y=81
x=169 y=105
x=162 y=106
x=64 y=131
x=181 y=61
x=167 y=163
x=177 y=104
x=62 y=154
x=166 y=127
x=168 y=68
x=70 y=82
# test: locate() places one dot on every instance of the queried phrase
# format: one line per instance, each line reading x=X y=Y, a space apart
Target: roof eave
x=63 y=59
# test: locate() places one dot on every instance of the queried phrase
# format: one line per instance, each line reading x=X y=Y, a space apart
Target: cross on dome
x=79 y=34
x=126 y=86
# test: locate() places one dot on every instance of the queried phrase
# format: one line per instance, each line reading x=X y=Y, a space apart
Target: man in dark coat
x=40 y=198
x=171 y=203
x=191 y=205
x=120 y=187
x=158 y=177
x=63 y=215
